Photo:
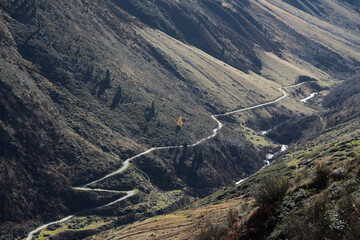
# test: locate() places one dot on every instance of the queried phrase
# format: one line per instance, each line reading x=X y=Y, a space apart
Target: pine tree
x=104 y=84
x=198 y=158
x=150 y=112
x=107 y=79
x=119 y=97
x=88 y=76
x=152 y=109
x=183 y=156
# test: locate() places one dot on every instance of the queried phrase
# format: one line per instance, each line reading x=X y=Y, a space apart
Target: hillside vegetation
x=311 y=191
x=85 y=85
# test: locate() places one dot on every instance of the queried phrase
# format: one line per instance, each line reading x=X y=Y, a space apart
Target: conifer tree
x=198 y=158
x=183 y=156
x=119 y=97
x=152 y=109
x=88 y=76
x=150 y=112
x=105 y=83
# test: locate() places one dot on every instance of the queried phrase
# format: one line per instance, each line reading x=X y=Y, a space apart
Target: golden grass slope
x=229 y=86
x=179 y=225
x=223 y=83
x=342 y=41
x=287 y=70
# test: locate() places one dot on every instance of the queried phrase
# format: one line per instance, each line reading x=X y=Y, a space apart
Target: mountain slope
x=321 y=201
x=79 y=78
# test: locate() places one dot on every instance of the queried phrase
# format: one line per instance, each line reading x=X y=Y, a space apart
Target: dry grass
x=224 y=84
x=287 y=70
x=336 y=38
x=180 y=225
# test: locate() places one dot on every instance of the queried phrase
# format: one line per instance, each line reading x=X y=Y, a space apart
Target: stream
x=305 y=100
x=215 y=131
x=270 y=156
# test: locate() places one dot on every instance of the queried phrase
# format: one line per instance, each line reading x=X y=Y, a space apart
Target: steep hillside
x=223 y=30
x=311 y=191
x=86 y=85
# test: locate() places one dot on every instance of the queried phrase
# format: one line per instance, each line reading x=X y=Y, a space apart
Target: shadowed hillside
x=86 y=85
x=310 y=191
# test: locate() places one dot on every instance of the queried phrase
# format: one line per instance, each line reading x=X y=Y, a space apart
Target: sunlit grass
x=81 y=224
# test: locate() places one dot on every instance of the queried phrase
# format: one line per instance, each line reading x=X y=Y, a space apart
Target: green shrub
x=339 y=173
x=271 y=190
x=326 y=219
x=215 y=232
x=322 y=173
x=212 y=232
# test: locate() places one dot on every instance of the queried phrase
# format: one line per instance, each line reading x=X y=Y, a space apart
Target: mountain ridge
x=84 y=74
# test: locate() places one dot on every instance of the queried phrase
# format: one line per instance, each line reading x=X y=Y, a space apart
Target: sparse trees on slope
x=104 y=84
x=198 y=158
x=88 y=76
x=150 y=112
x=183 y=156
x=118 y=98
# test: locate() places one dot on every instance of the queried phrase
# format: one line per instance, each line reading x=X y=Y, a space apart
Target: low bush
x=232 y=217
x=326 y=219
x=213 y=232
x=271 y=190
x=322 y=173
x=304 y=78
x=339 y=173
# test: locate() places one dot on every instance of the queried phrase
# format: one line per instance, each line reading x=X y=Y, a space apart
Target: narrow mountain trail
x=85 y=187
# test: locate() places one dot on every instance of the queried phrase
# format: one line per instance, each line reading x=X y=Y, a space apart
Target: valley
x=91 y=93
x=126 y=163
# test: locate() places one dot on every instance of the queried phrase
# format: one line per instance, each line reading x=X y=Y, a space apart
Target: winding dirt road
x=126 y=163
